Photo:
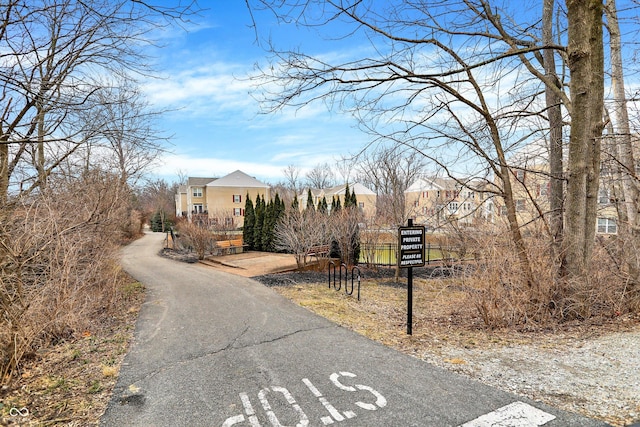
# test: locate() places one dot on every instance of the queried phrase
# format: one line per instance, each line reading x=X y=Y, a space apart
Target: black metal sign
x=411 y=246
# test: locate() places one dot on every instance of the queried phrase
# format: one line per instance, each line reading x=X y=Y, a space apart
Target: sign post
x=410 y=254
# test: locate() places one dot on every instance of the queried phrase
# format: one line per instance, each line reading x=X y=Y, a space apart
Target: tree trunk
x=629 y=219
x=586 y=65
x=4 y=171
x=554 y=105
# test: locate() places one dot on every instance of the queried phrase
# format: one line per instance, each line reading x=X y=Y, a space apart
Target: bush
x=58 y=264
x=502 y=297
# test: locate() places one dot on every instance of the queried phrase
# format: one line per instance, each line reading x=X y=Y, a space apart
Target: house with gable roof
x=220 y=199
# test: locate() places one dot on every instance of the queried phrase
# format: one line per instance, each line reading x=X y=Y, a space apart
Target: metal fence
x=386 y=254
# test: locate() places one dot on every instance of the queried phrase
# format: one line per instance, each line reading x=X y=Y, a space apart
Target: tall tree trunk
x=554 y=112
x=40 y=159
x=621 y=134
x=4 y=170
x=586 y=64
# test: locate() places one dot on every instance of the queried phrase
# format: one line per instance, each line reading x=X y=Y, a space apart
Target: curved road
x=213 y=349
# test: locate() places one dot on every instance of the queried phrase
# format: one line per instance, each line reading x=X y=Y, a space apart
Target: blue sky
x=216 y=124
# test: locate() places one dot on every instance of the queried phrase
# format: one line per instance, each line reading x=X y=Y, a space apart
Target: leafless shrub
x=197 y=236
x=503 y=298
x=344 y=227
x=297 y=232
x=58 y=264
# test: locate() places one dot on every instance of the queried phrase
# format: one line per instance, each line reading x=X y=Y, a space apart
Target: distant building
x=221 y=200
x=436 y=201
x=365 y=197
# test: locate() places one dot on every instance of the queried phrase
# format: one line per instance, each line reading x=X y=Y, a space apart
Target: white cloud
x=170 y=164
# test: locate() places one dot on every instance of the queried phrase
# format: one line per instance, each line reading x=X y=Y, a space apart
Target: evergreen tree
x=259 y=223
x=347 y=197
x=249 y=223
x=354 y=199
x=282 y=207
x=156 y=222
x=350 y=199
x=322 y=206
x=355 y=246
x=267 y=227
x=338 y=205
x=310 y=204
x=295 y=205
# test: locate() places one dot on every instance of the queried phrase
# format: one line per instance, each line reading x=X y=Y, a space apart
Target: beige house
x=531 y=190
x=221 y=200
x=434 y=202
x=365 y=197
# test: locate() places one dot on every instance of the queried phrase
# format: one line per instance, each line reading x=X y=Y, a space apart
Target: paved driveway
x=215 y=349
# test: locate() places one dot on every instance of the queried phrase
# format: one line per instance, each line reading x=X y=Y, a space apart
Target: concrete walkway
x=215 y=349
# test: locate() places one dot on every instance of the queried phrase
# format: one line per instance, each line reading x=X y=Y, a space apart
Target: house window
x=361 y=205
x=228 y=221
x=237 y=198
x=197 y=208
x=416 y=203
x=197 y=191
x=519 y=175
x=520 y=206
x=453 y=207
x=425 y=194
x=603 y=196
x=607 y=226
x=237 y=212
x=544 y=189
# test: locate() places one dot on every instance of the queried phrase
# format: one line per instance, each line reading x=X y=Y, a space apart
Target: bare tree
x=344 y=228
x=553 y=101
x=585 y=59
x=292 y=176
x=624 y=164
x=54 y=55
x=321 y=176
x=389 y=171
x=128 y=140
x=297 y=232
x=459 y=82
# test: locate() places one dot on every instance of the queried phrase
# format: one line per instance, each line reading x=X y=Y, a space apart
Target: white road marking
x=262 y=396
x=248 y=409
x=332 y=410
x=516 y=414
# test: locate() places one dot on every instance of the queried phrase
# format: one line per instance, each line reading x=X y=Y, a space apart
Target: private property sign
x=411 y=247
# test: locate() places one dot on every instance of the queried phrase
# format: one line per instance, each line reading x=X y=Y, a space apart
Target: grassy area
x=386 y=254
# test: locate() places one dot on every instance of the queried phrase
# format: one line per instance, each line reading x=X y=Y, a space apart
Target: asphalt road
x=214 y=349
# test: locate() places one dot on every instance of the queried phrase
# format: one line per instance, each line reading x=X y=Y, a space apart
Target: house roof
x=423 y=184
x=237 y=179
x=197 y=181
x=357 y=188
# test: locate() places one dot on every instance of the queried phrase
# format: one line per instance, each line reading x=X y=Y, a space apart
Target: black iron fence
x=386 y=254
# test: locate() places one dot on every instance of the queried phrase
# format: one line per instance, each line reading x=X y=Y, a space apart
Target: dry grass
x=440 y=313
x=70 y=383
